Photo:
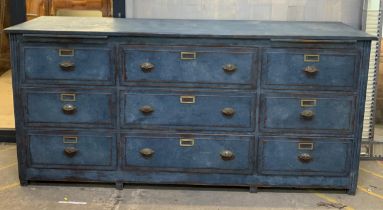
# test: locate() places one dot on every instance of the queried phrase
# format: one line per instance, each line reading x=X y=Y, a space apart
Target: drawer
x=67 y=64
x=304 y=156
x=312 y=113
x=72 y=150
x=189 y=110
x=67 y=107
x=310 y=69
x=187 y=152
x=189 y=65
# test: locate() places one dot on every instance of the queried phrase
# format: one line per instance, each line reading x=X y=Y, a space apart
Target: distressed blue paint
x=279 y=155
x=204 y=154
x=285 y=68
x=90 y=64
x=47 y=107
x=47 y=151
x=206 y=68
x=192 y=28
x=265 y=93
x=331 y=113
x=205 y=112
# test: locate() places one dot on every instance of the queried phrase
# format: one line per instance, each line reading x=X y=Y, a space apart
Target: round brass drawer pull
x=67 y=66
x=146 y=152
x=228 y=112
x=69 y=108
x=307 y=114
x=147 y=67
x=229 y=68
x=227 y=155
x=311 y=70
x=146 y=109
x=305 y=157
x=70 y=151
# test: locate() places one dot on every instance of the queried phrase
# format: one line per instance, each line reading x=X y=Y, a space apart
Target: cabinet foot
x=119 y=185
x=351 y=191
x=24 y=182
x=253 y=189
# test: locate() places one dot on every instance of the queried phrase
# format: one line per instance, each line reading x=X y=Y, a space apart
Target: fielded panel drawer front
x=312 y=113
x=304 y=156
x=79 y=151
x=230 y=154
x=310 y=69
x=189 y=110
x=68 y=64
x=65 y=107
x=196 y=65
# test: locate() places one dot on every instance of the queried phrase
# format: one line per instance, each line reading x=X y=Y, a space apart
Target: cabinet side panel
x=364 y=47
x=15 y=40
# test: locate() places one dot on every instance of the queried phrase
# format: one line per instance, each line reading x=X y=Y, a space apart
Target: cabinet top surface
x=190 y=28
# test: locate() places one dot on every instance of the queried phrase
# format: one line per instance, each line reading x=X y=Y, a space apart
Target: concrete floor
x=49 y=196
x=7 y=121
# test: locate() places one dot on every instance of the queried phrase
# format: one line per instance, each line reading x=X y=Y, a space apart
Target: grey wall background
x=347 y=11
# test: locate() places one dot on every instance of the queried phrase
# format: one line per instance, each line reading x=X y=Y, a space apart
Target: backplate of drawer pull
x=311 y=58
x=69 y=108
x=187 y=99
x=306 y=146
x=67 y=66
x=70 y=139
x=66 y=52
x=307 y=114
x=68 y=97
x=146 y=109
x=305 y=157
x=229 y=68
x=186 y=142
x=228 y=111
x=308 y=102
x=70 y=151
x=311 y=70
x=147 y=67
x=227 y=155
x=146 y=152
x=188 y=55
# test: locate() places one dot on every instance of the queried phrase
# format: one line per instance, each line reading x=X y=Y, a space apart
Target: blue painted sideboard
x=232 y=103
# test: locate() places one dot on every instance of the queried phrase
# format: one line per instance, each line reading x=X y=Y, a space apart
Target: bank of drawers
x=296 y=103
x=307 y=91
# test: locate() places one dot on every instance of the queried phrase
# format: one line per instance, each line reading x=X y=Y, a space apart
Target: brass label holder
x=70 y=139
x=68 y=97
x=188 y=55
x=66 y=52
x=308 y=102
x=311 y=58
x=187 y=99
x=306 y=146
x=186 y=142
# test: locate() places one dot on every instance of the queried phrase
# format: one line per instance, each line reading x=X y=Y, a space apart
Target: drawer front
x=196 y=153
x=69 y=108
x=320 y=156
x=72 y=150
x=188 y=110
x=313 y=69
x=68 y=64
x=184 y=65
x=307 y=113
